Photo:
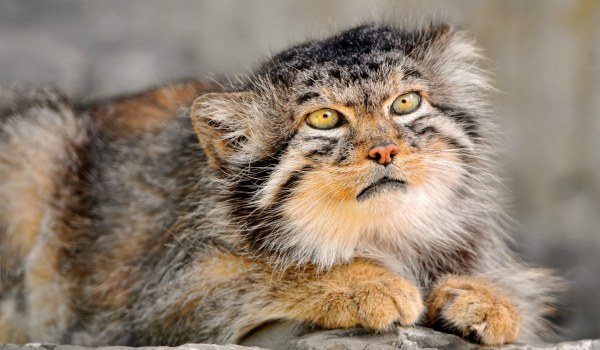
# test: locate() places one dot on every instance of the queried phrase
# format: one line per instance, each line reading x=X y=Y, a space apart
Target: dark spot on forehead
x=301 y=65
x=317 y=75
x=307 y=97
x=309 y=82
x=410 y=72
x=372 y=66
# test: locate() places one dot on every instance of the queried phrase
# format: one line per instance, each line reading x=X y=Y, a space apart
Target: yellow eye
x=325 y=118
x=406 y=103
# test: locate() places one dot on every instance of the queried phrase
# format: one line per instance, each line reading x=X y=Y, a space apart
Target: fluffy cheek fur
x=325 y=223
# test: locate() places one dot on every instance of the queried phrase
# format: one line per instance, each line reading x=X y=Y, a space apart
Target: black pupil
x=403 y=100
x=326 y=115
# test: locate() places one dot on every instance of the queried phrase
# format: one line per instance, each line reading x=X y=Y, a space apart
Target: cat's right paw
x=367 y=295
x=384 y=303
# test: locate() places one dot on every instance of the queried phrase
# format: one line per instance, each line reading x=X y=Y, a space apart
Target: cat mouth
x=381 y=185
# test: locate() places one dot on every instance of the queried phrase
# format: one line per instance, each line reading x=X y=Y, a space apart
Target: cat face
x=375 y=136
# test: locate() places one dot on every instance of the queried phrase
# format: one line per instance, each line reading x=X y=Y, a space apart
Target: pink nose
x=383 y=154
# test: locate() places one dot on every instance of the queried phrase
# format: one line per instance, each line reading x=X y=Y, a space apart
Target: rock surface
x=38 y=346
x=290 y=336
x=287 y=336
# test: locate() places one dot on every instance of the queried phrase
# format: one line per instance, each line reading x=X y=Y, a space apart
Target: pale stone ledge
x=288 y=336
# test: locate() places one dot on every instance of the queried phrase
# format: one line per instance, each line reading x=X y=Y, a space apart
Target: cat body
x=195 y=212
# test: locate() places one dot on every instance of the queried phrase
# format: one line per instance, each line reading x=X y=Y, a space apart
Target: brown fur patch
x=222 y=266
x=148 y=111
x=26 y=216
x=473 y=306
x=30 y=177
x=9 y=333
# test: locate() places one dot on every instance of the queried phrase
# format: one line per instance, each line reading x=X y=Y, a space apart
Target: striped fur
x=119 y=227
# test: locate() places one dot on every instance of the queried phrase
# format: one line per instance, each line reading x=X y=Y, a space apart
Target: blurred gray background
x=545 y=56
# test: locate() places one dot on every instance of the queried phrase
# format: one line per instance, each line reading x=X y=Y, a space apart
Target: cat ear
x=220 y=121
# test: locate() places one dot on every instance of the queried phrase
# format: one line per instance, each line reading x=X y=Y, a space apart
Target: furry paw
x=368 y=295
x=474 y=309
x=383 y=303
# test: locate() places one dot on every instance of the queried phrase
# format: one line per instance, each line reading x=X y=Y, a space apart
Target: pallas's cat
x=345 y=182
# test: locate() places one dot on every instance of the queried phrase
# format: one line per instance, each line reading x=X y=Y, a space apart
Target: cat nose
x=383 y=154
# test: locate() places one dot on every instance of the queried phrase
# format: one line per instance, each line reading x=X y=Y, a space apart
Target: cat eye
x=324 y=119
x=406 y=103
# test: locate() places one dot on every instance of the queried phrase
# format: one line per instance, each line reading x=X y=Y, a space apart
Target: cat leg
x=227 y=296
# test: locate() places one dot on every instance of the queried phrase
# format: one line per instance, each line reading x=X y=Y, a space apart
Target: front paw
x=473 y=308
x=368 y=295
x=384 y=303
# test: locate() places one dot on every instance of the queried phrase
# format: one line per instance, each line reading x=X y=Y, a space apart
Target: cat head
x=375 y=136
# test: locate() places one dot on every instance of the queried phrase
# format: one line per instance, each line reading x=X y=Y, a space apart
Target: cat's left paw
x=473 y=308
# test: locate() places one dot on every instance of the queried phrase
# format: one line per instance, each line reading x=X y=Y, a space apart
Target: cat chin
x=393 y=218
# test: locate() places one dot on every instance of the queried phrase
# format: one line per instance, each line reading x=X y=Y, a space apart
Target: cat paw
x=474 y=309
x=368 y=295
x=384 y=303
